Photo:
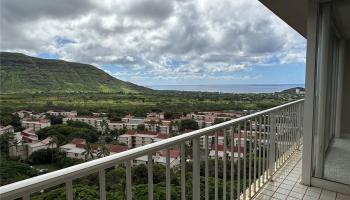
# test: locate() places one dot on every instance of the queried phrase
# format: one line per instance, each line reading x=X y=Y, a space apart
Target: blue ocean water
x=244 y=88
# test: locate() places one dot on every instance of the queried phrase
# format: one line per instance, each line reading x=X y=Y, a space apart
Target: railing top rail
x=76 y=171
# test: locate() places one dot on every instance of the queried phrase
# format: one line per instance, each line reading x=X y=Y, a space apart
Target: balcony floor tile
x=286 y=185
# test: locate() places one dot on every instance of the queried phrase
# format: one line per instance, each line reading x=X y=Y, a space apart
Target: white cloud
x=199 y=37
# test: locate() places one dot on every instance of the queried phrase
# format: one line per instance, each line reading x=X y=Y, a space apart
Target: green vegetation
x=80 y=192
x=13 y=171
x=21 y=73
x=188 y=124
x=63 y=133
x=5 y=142
x=44 y=156
x=87 y=187
x=117 y=105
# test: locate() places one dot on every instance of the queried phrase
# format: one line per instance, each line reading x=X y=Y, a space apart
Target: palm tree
x=5 y=143
x=102 y=151
x=53 y=141
x=15 y=144
x=104 y=126
x=88 y=152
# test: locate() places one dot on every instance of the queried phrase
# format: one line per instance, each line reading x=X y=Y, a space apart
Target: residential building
x=116 y=125
x=29 y=136
x=77 y=148
x=43 y=144
x=174 y=155
x=135 y=139
x=129 y=119
x=18 y=147
x=211 y=140
x=237 y=153
x=157 y=127
x=160 y=158
x=6 y=129
x=155 y=116
x=35 y=124
x=63 y=113
x=74 y=149
x=23 y=114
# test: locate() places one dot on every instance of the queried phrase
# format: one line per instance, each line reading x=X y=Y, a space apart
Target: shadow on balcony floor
x=337 y=163
x=286 y=185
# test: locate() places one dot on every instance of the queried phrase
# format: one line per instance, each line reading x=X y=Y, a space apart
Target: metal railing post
x=272 y=144
x=196 y=170
x=69 y=190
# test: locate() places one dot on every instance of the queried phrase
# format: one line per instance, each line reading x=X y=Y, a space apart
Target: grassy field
x=140 y=104
x=49 y=167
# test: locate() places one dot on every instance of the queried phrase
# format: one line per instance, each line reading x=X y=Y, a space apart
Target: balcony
x=269 y=158
x=285 y=184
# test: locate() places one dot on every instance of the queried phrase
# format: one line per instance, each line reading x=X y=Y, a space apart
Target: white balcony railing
x=271 y=136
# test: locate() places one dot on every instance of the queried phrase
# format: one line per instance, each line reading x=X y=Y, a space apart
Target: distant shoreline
x=228 y=88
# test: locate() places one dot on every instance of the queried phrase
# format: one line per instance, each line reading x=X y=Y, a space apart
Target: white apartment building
x=74 y=149
x=211 y=140
x=29 y=136
x=160 y=158
x=116 y=125
x=6 y=129
x=18 y=147
x=155 y=116
x=155 y=127
x=43 y=144
x=133 y=120
x=221 y=152
x=35 y=124
x=136 y=139
x=63 y=113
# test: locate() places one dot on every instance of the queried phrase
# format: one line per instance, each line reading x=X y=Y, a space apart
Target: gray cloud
x=18 y=11
x=153 y=9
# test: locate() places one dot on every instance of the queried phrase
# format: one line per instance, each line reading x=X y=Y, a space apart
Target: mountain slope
x=20 y=73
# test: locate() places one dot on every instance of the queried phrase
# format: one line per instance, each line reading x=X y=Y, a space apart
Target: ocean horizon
x=229 y=88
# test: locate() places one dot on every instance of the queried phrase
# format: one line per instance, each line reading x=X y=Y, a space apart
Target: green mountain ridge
x=20 y=73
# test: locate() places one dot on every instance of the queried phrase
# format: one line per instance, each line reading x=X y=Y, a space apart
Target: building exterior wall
x=35 y=125
x=345 y=125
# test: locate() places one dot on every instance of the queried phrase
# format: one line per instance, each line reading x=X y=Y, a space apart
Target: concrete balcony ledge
x=285 y=184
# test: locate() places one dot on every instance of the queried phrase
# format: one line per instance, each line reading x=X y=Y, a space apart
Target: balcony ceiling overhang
x=293 y=12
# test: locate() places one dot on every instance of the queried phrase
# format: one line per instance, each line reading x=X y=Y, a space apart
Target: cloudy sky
x=160 y=42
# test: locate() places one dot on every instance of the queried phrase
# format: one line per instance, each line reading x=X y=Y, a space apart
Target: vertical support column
x=206 y=167
x=250 y=159
x=102 y=183
x=69 y=190
x=264 y=150
x=322 y=89
x=239 y=163
x=260 y=156
x=224 y=171
x=128 y=180
x=216 y=187
x=232 y=131
x=272 y=144
x=308 y=122
x=340 y=87
x=167 y=175
x=255 y=154
x=183 y=172
x=150 y=177
x=245 y=161
x=196 y=170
